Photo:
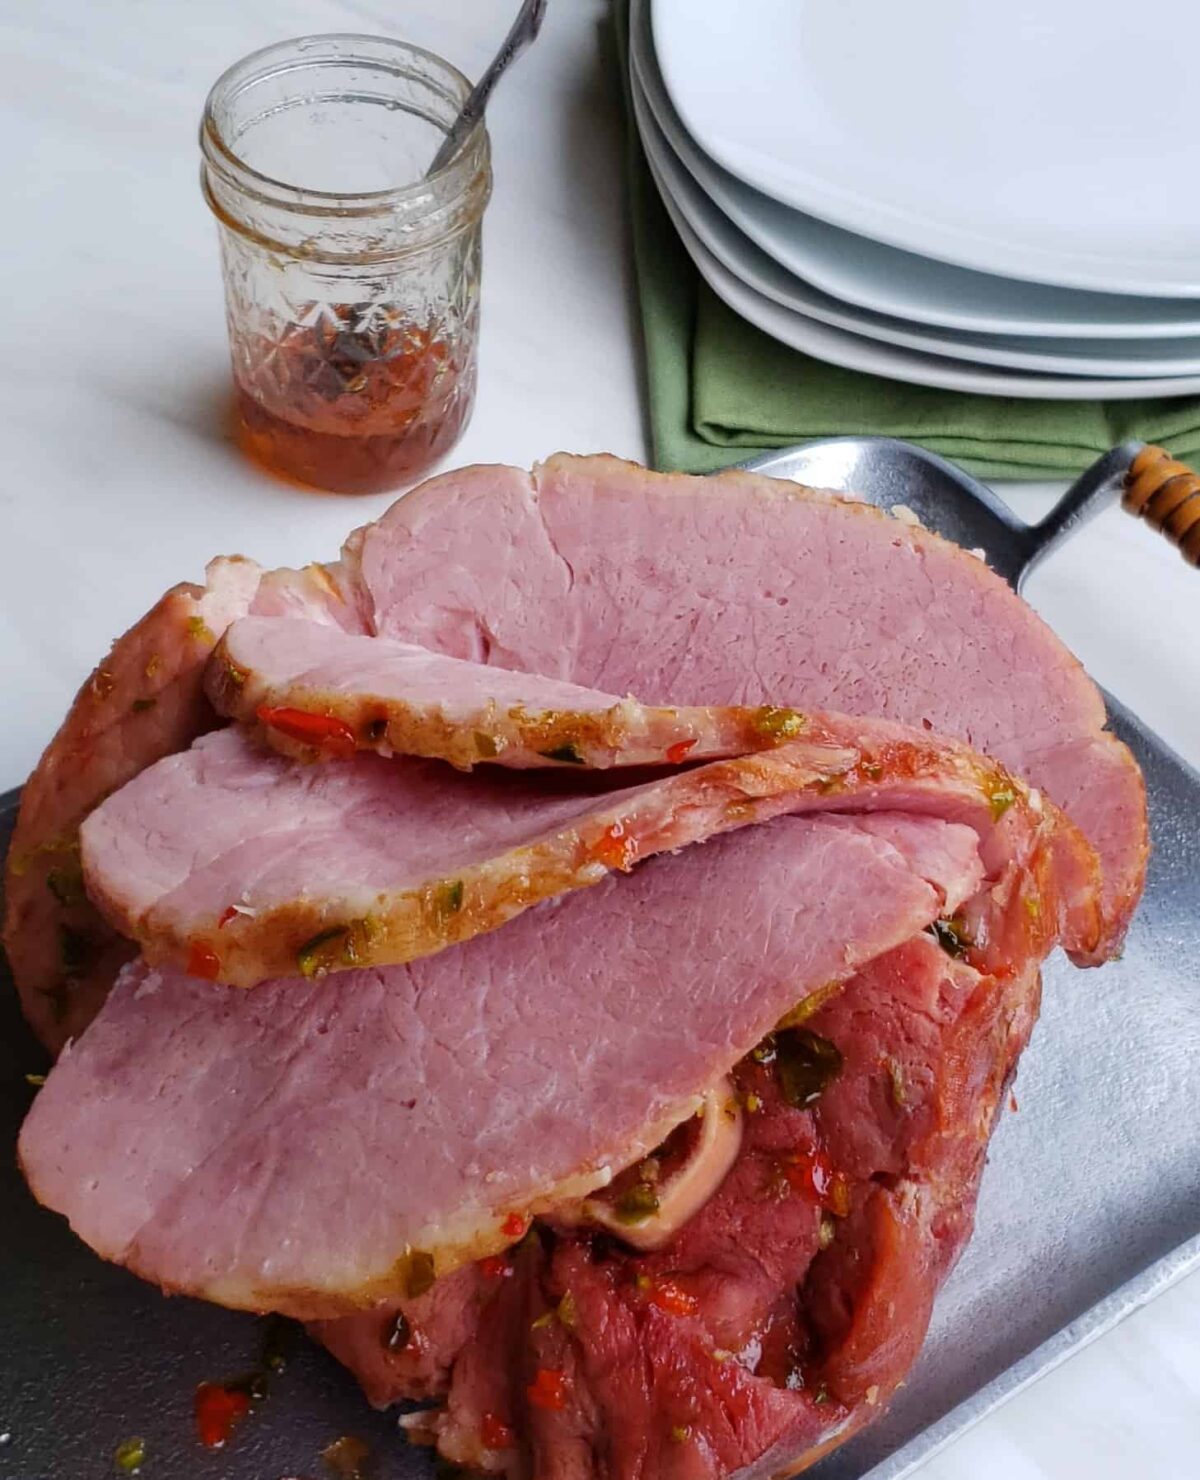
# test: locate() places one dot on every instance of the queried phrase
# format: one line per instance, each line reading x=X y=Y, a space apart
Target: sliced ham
x=744 y=590
x=314 y=692
x=316 y=1146
x=235 y=864
x=143 y=702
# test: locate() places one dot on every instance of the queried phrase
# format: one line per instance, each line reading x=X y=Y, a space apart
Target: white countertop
x=120 y=478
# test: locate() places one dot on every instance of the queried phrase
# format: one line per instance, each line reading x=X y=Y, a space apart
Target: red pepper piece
x=495 y=1268
x=203 y=962
x=677 y=752
x=230 y=914
x=495 y=1433
x=514 y=1226
x=672 y=1298
x=811 y=1173
x=334 y=736
x=548 y=1389
x=217 y=1410
x=614 y=848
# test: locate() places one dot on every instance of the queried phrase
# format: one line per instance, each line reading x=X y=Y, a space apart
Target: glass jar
x=351 y=282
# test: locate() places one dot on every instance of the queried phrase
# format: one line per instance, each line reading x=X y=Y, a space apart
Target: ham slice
x=315 y=1146
x=143 y=702
x=313 y=691
x=744 y=590
x=238 y=865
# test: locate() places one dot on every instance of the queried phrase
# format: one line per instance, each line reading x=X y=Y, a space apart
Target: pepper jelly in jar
x=351 y=281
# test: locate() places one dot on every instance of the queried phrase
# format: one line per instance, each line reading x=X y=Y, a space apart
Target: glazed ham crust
x=238 y=865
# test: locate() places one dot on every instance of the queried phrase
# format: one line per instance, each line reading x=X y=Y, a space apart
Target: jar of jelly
x=351 y=280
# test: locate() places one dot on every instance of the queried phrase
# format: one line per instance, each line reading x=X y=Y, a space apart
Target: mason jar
x=351 y=280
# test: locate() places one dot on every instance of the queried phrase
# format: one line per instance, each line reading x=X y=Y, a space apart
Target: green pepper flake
x=778 y=724
x=398 y=1334
x=153 y=664
x=765 y=1052
x=637 y=1204
x=235 y=675
x=323 y=951
x=417 y=1272
x=1000 y=799
x=826 y=1231
x=568 y=1312
x=450 y=898
x=809 y=1007
x=821 y=1395
x=198 y=628
x=896 y=1083
x=103 y=683
x=36 y=1080
x=66 y=884
x=543 y=1321
x=806 y=1066
x=952 y=936
x=1033 y=906
x=143 y=706
x=130 y=1455
x=569 y=754
x=680 y=1433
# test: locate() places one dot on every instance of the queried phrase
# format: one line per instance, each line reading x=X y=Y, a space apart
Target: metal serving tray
x=1090 y=1207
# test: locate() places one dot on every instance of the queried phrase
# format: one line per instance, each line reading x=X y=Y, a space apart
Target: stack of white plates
x=955 y=193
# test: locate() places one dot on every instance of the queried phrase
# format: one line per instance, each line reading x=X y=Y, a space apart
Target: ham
x=239 y=865
x=314 y=692
x=143 y=702
x=736 y=591
x=779 y=1321
x=745 y=590
x=314 y=1147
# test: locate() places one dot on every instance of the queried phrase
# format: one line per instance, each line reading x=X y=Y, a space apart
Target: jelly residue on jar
x=354 y=398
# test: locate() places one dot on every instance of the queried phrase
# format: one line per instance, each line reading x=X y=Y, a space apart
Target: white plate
x=888 y=281
x=1029 y=139
x=853 y=352
x=1127 y=359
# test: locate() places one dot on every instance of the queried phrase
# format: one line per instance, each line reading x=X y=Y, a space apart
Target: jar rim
x=222 y=158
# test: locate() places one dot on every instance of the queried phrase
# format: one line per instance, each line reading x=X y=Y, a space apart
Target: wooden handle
x=1166 y=494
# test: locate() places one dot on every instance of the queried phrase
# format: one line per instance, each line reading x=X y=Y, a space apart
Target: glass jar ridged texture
x=352 y=283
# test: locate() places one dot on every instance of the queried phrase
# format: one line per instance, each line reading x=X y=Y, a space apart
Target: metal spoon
x=524 y=30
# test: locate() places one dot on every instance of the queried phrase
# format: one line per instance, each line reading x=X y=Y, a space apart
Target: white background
x=118 y=477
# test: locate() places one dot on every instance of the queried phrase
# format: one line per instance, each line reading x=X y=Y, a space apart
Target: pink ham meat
x=745 y=590
x=314 y=1147
x=397 y=698
x=143 y=702
x=238 y=865
x=773 y=1326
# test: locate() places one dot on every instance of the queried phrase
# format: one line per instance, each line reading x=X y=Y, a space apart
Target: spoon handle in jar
x=524 y=30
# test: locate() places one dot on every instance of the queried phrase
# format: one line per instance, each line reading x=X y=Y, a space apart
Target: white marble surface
x=119 y=478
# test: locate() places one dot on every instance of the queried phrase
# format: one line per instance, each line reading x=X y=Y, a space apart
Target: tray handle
x=1166 y=494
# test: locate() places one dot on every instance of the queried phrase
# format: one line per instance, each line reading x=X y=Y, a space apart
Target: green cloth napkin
x=722 y=391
